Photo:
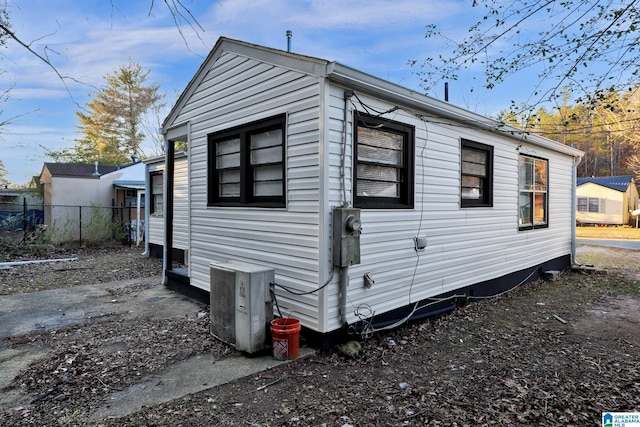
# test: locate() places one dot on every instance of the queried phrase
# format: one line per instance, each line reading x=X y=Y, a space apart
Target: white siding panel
x=181 y=208
x=236 y=92
x=181 y=204
x=156 y=229
x=464 y=246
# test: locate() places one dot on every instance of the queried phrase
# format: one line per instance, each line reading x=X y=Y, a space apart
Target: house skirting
x=157 y=251
x=178 y=281
x=327 y=341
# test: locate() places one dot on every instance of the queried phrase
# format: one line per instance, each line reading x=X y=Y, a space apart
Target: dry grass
x=614 y=260
x=608 y=232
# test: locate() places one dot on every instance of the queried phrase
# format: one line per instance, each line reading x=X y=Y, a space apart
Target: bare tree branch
x=44 y=59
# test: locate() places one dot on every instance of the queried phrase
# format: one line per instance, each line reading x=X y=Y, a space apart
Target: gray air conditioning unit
x=241 y=306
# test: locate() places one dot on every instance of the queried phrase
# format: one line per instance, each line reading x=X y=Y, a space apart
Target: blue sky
x=86 y=39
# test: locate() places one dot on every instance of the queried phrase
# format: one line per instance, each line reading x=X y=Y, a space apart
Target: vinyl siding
x=236 y=91
x=465 y=246
x=180 y=207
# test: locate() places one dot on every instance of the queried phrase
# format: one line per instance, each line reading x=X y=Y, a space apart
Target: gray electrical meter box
x=346 y=236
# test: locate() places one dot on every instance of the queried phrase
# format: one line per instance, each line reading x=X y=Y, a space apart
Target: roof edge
x=374 y=85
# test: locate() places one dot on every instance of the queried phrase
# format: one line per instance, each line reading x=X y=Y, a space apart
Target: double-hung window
x=533 y=199
x=156 y=193
x=590 y=204
x=583 y=204
x=247 y=165
x=476 y=174
x=383 y=163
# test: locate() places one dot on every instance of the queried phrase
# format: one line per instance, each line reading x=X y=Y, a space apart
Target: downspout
x=147 y=197
x=165 y=282
x=574 y=196
x=343 y=277
x=138 y=212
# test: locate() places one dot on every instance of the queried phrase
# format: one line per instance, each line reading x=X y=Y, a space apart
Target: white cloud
x=88 y=39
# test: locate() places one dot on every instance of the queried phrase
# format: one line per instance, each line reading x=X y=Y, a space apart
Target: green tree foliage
x=591 y=46
x=112 y=127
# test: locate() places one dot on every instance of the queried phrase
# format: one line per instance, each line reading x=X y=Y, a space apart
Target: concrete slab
x=57 y=308
x=50 y=310
x=190 y=376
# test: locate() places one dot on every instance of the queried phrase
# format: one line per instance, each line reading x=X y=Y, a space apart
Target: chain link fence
x=70 y=224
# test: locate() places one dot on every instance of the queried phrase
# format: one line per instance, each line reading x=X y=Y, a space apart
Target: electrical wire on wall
x=363 y=311
x=345 y=201
x=295 y=292
x=343 y=149
x=422 y=201
x=367 y=328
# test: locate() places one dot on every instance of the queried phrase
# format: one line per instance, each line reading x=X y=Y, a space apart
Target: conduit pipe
x=574 y=196
x=344 y=284
x=7 y=265
x=343 y=277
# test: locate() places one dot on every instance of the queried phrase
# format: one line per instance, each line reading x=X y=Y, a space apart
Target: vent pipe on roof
x=95 y=172
x=289 y=35
x=446 y=91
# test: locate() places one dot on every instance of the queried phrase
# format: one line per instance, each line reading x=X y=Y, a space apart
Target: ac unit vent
x=241 y=306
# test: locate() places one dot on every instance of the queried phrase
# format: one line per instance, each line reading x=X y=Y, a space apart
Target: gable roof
x=618 y=183
x=356 y=80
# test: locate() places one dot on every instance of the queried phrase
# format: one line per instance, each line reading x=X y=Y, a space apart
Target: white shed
x=290 y=154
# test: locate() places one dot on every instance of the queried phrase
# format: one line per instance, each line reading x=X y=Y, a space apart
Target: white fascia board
x=355 y=79
x=176 y=132
x=153 y=160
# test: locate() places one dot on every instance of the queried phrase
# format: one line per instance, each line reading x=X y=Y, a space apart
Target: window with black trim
x=156 y=193
x=247 y=165
x=383 y=163
x=533 y=199
x=476 y=174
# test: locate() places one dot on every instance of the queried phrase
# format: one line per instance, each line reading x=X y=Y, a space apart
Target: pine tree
x=111 y=128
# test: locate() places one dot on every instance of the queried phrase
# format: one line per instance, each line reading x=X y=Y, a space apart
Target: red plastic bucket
x=285 y=332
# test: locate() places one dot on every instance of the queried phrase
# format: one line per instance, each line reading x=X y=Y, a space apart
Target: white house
x=367 y=199
x=155 y=224
x=607 y=200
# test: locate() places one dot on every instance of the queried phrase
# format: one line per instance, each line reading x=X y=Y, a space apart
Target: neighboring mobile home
x=368 y=199
x=607 y=200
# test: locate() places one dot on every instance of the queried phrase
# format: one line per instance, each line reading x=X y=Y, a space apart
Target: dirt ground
x=546 y=354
